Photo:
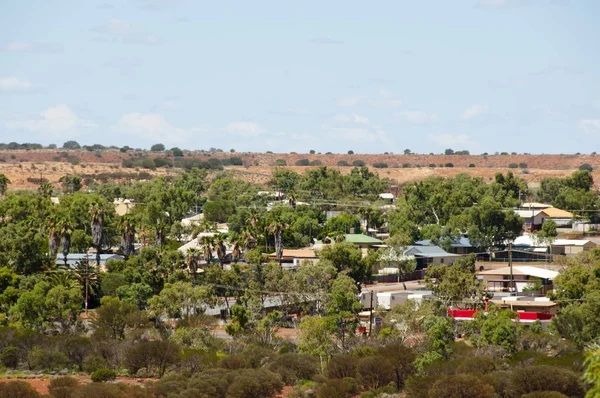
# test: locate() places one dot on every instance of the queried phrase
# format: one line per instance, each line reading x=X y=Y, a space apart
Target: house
x=534 y=217
x=387 y=197
x=123 y=206
x=193 y=220
x=498 y=280
x=196 y=242
x=527 y=304
x=360 y=240
x=292 y=258
x=460 y=245
x=363 y=241
x=571 y=247
x=426 y=255
x=388 y=300
x=534 y=205
x=524 y=316
x=565 y=247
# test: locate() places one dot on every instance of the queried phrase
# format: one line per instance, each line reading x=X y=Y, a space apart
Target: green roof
x=360 y=238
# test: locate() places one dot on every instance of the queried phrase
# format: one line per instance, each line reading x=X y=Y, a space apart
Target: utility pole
x=511 y=268
x=371 y=315
x=87 y=263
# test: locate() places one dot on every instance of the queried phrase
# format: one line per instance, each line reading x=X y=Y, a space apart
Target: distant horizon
x=232 y=153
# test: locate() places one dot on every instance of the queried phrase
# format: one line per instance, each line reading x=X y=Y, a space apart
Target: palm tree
x=238 y=243
x=127 y=228
x=53 y=235
x=219 y=244
x=192 y=259
x=88 y=276
x=62 y=277
x=276 y=228
x=97 y=221
x=45 y=189
x=367 y=214
x=206 y=243
x=65 y=229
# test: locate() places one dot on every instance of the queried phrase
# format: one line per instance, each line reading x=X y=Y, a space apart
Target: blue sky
x=481 y=75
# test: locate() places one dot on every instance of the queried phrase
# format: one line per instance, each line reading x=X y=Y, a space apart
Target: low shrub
x=102 y=375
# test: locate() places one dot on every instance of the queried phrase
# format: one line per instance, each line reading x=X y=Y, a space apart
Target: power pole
x=371 y=315
x=87 y=263
x=511 y=268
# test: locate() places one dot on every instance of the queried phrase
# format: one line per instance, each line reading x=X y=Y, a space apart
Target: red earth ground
x=23 y=168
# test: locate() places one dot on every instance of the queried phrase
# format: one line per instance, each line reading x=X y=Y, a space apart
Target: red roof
x=523 y=316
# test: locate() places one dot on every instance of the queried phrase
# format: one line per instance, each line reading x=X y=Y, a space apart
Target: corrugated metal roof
x=360 y=238
x=527 y=213
x=524 y=270
x=553 y=212
x=535 y=205
x=460 y=242
x=428 y=251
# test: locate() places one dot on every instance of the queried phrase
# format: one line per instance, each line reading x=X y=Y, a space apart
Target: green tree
x=592 y=370
x=276 y=228
x=4 y=181
x=97 y=226
x=127 y=229
x=346 y=257
x=489 y=225
x=115 y=316
x=157 y=148
x=394 y=257
x=457 y=284
x=181 y=300
x=315 y=338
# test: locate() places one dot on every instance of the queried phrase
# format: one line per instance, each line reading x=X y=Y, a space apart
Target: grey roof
x=460 y=242
x=74 y=258
x=428 y=251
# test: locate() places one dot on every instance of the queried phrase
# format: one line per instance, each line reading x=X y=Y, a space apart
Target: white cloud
x=245 y=129
x=30 y=47
x=474 y=111
x=124 y=32
x=417 y=117
x=58 y=121
x=14 y=84
x=357 y=134
x=347 y=102
x=457 y=141
x=590 y=126
x=360 y=119
x=383 y=99
x=153 y=126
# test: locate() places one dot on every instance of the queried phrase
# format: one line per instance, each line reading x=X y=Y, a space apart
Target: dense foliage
x=152 y=313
